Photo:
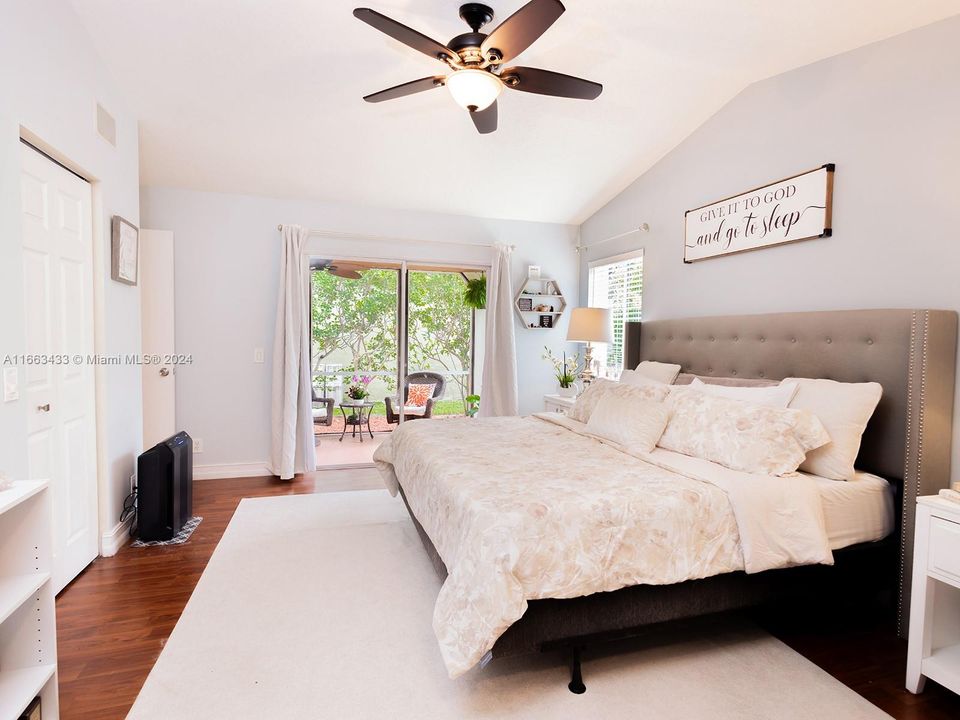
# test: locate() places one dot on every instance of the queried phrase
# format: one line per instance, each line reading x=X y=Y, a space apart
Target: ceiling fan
x=348 y=271
x=476 y=60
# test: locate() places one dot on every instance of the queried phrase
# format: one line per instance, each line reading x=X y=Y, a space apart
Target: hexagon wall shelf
x=540 y=303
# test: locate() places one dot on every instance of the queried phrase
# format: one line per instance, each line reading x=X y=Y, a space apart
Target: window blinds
x=617 y=283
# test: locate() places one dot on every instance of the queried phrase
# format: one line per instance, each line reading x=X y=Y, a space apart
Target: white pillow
x=774 y=395
x=661 y=372
x=632 y=377
x=844 y=409
x=588 y=400
x=752 y=438
x=634 y=424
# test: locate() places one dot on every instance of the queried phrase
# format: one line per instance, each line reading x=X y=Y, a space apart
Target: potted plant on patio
x=473 y=405
x=475 y=293
x=358 y=392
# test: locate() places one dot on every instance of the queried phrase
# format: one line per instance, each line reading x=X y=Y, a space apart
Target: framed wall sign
x=796 y=208
x=125 y=251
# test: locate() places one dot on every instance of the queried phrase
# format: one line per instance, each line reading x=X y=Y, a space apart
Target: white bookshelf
x=28 y=633
x=539 y=292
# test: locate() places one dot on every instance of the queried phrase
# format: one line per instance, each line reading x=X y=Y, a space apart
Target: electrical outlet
x=258 y=355
x=197 y=445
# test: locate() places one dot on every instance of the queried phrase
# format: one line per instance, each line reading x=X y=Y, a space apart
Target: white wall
x=888 y=116
x=51 y=82
x=227 y=258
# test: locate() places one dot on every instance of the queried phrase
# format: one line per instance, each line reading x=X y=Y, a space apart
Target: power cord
x=130 y=510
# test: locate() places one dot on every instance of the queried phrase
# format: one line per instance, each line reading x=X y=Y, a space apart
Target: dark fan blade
x=545 y=82
x=485 y=120
x=408 y=36
x=517 y=32
x=414 y=86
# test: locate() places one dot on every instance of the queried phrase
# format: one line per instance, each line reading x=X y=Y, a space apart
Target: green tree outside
x=360 y=317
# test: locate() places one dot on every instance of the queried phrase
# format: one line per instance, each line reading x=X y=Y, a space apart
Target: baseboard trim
x=219 y=472
x=111 y=542
x=347 y=466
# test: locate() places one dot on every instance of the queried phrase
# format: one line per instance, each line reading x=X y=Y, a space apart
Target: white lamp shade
x=590 y=325
x=474 y=89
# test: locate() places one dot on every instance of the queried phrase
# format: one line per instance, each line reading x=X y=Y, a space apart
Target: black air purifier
x=165 y=488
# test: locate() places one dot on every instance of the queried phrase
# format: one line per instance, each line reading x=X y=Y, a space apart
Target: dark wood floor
x=114 y=619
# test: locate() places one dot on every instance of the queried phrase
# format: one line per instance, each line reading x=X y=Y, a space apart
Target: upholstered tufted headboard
x=911 y=353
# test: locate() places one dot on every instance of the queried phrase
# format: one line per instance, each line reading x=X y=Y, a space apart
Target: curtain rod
x=643 y=228
x=378 y=238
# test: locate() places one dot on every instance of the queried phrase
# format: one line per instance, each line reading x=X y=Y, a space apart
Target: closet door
x=58 y=377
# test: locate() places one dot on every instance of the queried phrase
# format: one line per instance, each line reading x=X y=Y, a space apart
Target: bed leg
x=576 y=676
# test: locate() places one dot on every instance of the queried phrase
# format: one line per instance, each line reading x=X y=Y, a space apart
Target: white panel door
x=157 y=323
x=59 y=381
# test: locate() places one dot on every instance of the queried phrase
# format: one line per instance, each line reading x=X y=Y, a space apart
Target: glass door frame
x=403 y=314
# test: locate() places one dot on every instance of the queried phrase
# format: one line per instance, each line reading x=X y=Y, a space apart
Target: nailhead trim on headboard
x=906 y=472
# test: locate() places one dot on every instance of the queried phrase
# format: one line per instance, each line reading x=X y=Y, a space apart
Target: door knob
x=44 y=408
x=164 y=372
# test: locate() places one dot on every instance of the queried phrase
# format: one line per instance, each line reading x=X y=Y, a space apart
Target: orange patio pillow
x=417 y=395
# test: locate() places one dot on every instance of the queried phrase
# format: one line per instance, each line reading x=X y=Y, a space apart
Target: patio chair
x=415 y=413
x=322 y=409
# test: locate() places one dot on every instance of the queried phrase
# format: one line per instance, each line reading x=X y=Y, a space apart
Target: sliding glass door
x=355 y=317
x=440 y=335
x=375 y=323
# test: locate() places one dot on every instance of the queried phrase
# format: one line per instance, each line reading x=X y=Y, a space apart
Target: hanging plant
x=475 y=294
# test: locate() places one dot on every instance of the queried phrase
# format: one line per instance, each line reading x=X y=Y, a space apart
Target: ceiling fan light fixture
x=474 y=90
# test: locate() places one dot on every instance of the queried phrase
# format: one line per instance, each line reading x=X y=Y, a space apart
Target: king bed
x=554 y=539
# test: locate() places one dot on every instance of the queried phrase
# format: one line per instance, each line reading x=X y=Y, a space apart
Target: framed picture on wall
x=125 y=251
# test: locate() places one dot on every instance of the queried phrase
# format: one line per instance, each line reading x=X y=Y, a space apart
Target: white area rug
x=319 y=606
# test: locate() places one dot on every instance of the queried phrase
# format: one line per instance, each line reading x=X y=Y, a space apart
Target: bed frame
x=912 y=353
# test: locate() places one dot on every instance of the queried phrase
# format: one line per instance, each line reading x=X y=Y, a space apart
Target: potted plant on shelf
x=566 y=372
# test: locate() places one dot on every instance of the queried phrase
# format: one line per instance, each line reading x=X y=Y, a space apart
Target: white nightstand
x=558 y=404
x=934 y=650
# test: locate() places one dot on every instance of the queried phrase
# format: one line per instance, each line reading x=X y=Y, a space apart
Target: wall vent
x=106 y=125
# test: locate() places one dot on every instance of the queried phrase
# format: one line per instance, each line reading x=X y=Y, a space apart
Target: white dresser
x=934 y=650
x=558 y=404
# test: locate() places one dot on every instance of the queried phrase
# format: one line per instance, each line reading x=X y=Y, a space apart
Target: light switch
x=258 y=355
x=11 y=384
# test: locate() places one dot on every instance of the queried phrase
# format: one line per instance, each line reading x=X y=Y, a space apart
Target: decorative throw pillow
x=634 y=424
x=417 y=395
x=632 y=377
x=775 y=396
x=845 y=409
x=661 y=372
x=598 y=389
x=751 y=438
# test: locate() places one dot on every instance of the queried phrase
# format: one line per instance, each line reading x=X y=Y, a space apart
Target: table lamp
x=590 y=325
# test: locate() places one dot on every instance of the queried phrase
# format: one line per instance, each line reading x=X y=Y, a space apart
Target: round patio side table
x=355 y=419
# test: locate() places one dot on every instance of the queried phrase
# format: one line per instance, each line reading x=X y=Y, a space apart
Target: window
x=616 y=283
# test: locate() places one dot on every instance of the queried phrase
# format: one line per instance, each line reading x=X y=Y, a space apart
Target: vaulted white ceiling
x=264 y=96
